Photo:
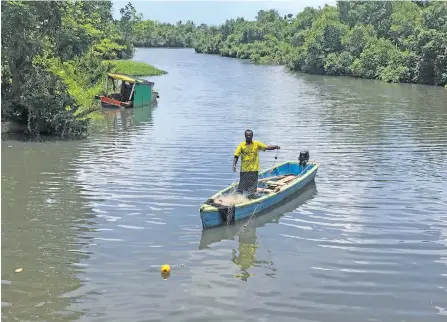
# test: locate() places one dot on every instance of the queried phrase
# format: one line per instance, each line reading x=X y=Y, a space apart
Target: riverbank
x=83 y=95
x=267 y=61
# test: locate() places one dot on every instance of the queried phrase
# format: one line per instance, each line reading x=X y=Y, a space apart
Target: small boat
x=275 y=185
x=270 y=216
x=132 y=92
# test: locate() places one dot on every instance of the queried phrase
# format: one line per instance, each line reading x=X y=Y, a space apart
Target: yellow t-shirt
x=250 y=155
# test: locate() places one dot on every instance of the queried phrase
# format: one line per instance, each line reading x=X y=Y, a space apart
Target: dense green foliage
x=155 y=34
x=401 y=41
x=53 y=56
x=394 y=41
x=148 y=33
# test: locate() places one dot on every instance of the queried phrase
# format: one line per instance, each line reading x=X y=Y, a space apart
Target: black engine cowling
x=304 y=157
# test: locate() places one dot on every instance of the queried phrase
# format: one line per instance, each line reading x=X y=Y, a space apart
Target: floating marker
x=165 y=269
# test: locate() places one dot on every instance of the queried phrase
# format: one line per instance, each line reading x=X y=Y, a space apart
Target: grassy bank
x=134 y=68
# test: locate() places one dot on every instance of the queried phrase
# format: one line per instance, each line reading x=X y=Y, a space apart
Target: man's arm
x=272 y=147
x=235 y=162
x=263 y=147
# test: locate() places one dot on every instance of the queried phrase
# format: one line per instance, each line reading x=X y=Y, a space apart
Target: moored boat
x=132 y=92
x=275 y=185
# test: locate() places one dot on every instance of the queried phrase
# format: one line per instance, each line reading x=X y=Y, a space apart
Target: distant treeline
x=394 y=41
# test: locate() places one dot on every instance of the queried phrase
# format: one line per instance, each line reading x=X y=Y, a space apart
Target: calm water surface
x=92 y=221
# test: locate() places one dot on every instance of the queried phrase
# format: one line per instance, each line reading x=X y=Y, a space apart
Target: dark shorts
x=248 y=182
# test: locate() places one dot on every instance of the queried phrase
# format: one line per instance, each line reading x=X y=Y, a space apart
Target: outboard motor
x=304 y=157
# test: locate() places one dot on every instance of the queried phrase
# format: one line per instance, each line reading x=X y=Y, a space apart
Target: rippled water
x=92 y=221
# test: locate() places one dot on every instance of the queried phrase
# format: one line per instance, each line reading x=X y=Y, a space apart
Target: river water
x=91 y=221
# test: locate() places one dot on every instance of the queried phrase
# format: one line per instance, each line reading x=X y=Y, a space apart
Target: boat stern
x=210 y=216
x=155 y=95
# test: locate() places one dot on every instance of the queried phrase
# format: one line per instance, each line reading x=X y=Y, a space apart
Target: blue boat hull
x=211 y=216
x=269 y=216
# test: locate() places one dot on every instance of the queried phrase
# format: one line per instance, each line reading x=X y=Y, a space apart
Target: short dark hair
x=248 y=131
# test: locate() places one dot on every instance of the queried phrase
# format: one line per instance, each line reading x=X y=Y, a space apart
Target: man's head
x=248 y=135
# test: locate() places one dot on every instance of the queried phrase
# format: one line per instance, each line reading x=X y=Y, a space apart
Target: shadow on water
x=247 y=241
x=42 y=138
x=112 y=121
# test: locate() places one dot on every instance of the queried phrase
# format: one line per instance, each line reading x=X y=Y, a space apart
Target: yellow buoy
x=165 y=269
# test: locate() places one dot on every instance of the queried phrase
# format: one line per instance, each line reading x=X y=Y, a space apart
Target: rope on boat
x=274 y=161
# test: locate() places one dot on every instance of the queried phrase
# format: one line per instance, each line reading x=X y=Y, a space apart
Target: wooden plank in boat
x=282 y=182
x=272 y=178
x=287 y=179
x=264 y=190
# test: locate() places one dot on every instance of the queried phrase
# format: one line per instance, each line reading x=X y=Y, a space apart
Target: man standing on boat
x=249 y=162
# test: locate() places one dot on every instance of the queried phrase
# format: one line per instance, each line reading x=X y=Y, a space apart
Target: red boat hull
x=108 y=102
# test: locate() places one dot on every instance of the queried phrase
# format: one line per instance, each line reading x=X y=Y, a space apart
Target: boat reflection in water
x=245 y=256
